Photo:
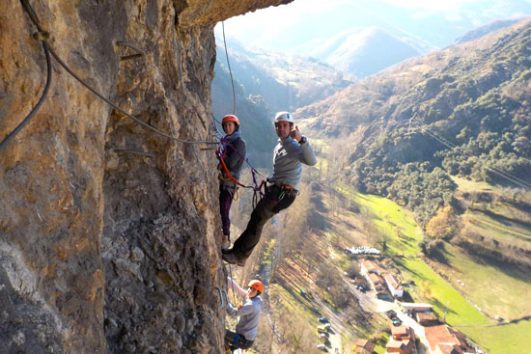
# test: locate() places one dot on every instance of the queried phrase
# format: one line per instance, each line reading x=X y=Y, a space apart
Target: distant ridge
x=486 y=29
x=363 y=52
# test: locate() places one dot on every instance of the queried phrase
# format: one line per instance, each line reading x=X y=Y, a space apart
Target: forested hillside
x=282 y=81
x=463 y=111
x=428 y=132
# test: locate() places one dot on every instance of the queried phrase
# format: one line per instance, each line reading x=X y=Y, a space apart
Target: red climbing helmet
x=230 y=118
x=256 y=285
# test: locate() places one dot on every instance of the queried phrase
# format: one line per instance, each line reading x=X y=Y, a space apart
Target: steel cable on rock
x=31 y=13
x=40 y=35
x=112 y=104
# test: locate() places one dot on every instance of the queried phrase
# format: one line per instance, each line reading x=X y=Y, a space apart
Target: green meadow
x=403 y=236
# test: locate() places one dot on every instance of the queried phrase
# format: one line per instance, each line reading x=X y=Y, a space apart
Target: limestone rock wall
x=108 y=232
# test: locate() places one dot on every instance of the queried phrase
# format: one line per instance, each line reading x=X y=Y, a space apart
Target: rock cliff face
x=108 y=232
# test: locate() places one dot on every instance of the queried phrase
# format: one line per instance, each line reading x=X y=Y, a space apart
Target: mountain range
x=296 y=28
x=363 y=52
x=433 y=109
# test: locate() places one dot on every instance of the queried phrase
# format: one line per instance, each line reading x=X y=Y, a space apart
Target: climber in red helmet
x=232 y=151
x=249 y=313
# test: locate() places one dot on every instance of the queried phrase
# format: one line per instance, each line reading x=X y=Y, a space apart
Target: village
x=414 y=327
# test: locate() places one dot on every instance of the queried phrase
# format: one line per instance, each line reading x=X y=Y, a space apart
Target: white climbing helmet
x=284 y=117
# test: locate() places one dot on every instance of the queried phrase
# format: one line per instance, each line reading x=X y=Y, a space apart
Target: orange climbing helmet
x=256 y=285
x=230 y=118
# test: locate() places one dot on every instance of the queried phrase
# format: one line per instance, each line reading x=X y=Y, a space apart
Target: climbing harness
x=257 y=188
x=287 y=190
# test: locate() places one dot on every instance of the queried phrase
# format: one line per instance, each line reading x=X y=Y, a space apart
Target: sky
x=294 y=26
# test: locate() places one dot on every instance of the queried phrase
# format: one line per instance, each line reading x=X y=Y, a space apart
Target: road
x=336 y=323
x=370 y=303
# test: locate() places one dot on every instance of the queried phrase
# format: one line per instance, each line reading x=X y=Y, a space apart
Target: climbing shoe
x=225 y=242
x=231 y=258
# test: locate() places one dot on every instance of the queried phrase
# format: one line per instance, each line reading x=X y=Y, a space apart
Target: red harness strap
x=257 y=189
x=227 y=173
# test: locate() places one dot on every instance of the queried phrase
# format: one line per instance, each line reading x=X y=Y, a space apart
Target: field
x=402 y=237
x=506 y=288
x=503 y=226
x=494 y=218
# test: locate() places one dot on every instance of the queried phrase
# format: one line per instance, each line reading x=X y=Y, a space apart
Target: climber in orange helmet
x=249 y=313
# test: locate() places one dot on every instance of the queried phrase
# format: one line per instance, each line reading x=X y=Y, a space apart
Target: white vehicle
x=322 y=348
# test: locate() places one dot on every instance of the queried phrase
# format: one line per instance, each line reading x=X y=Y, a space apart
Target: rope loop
x=257 y=189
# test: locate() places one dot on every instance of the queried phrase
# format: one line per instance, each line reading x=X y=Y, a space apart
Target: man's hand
x=296 y=134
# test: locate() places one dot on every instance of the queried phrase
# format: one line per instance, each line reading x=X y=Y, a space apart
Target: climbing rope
x=259 y=192
x=222 y=298
x=230 y=70
x=232 y=279
x=40 y=35
x=43 y=36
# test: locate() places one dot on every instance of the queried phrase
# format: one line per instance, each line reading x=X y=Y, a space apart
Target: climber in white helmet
x=293 y=150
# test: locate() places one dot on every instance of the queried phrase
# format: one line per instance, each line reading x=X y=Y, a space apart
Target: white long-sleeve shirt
x=288 y=157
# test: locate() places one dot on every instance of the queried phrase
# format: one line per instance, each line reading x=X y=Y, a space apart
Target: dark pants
x=226 y=195
x=274 y=200
x=235 y=341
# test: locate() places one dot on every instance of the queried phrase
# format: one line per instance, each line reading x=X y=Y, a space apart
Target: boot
x=231 y=258
x=225 y=242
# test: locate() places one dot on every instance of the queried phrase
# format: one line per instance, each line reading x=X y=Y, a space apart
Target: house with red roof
x=446 y=340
